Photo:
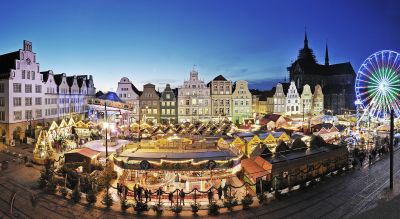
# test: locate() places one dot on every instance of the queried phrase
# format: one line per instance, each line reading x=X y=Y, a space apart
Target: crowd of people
x=141 y=194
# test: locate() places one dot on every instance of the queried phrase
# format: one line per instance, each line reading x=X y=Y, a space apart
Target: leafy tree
x=76 y=194
x=124 y=205
x=91 y=197
x=213 y=208
x=47 y=176
x=141 y=207
x=158 y=209
x=107 y=200
x=177 y=209
x=230 y=202
x=63 y=191
x=247 y=201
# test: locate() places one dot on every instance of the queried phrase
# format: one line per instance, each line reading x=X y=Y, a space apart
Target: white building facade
x=29 y=97
x=194 y=100
x=306 y=100
x=127 y=92
x=292 y=100
x=279 y=100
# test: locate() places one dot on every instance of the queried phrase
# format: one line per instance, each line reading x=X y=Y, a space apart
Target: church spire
x=326 y=55
x=305 y=39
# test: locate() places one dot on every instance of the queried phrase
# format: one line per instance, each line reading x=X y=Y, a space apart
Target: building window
x=38 y=88
x=33 y=75
x=168 y=96
x=17 y=87
x=1 y=88
x=17 y=101
x=28 y=114
x=17 y=115
x=28 y=75
x=38 y=113
x=2 y=115
x=23 y=74
x=38 y=101
x=28 y=88
x=28 y=101
x=2 y=101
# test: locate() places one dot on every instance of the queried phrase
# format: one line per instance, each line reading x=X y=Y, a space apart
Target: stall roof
x=86 y=152
x=253 y=169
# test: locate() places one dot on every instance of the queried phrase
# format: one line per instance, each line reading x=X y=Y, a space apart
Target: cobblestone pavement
x=351 y=194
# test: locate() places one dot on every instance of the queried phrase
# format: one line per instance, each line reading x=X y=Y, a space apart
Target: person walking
x=210 y=196
x=171 y=197
x=219 y=192
x=182 y=197
x=370 y=159
x=146 y=194
x=135 y=192
x=149 y=194
x=225 y=191
x=125 y=191
x=139 y=192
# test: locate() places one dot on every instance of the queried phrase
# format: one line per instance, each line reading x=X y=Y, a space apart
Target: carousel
x=177 y=162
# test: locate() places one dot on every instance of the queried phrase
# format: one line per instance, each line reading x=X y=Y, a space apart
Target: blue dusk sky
x=159 y=41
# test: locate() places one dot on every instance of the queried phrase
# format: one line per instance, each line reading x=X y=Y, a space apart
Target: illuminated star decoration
x=378 y=84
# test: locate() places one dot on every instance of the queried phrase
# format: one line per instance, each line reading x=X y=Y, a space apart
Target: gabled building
x=278 y=100
x=242 y=102
x=149 y=104
x=194 y=100
x=318 y=101
x=221 y=97
x=129 y=93
x=168 y=106
x=292 y=100
x=29 y=97
x=306 y=100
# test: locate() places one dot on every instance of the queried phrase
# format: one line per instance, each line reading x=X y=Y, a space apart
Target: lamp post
x=106 y=127
x=391 y=147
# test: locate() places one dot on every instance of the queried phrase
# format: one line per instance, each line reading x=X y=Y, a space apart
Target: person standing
x=210 y=196
x=182 y=197
x=171 y=198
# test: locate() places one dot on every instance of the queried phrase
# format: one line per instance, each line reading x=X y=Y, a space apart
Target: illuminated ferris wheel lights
x=378 y=83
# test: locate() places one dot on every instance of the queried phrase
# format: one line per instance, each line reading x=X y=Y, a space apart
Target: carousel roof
x=142 y=154
x=111 y=96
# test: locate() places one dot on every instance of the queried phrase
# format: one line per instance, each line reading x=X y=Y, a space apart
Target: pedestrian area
x=343 y=196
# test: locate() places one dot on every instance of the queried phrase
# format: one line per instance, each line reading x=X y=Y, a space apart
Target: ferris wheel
x=378 y=84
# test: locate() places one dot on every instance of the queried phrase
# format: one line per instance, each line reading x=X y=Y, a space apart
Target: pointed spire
x=305 y=38
x=326 y=55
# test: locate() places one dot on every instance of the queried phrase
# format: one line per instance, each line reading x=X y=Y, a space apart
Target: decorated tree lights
x=378 y=85
x=43 y=149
